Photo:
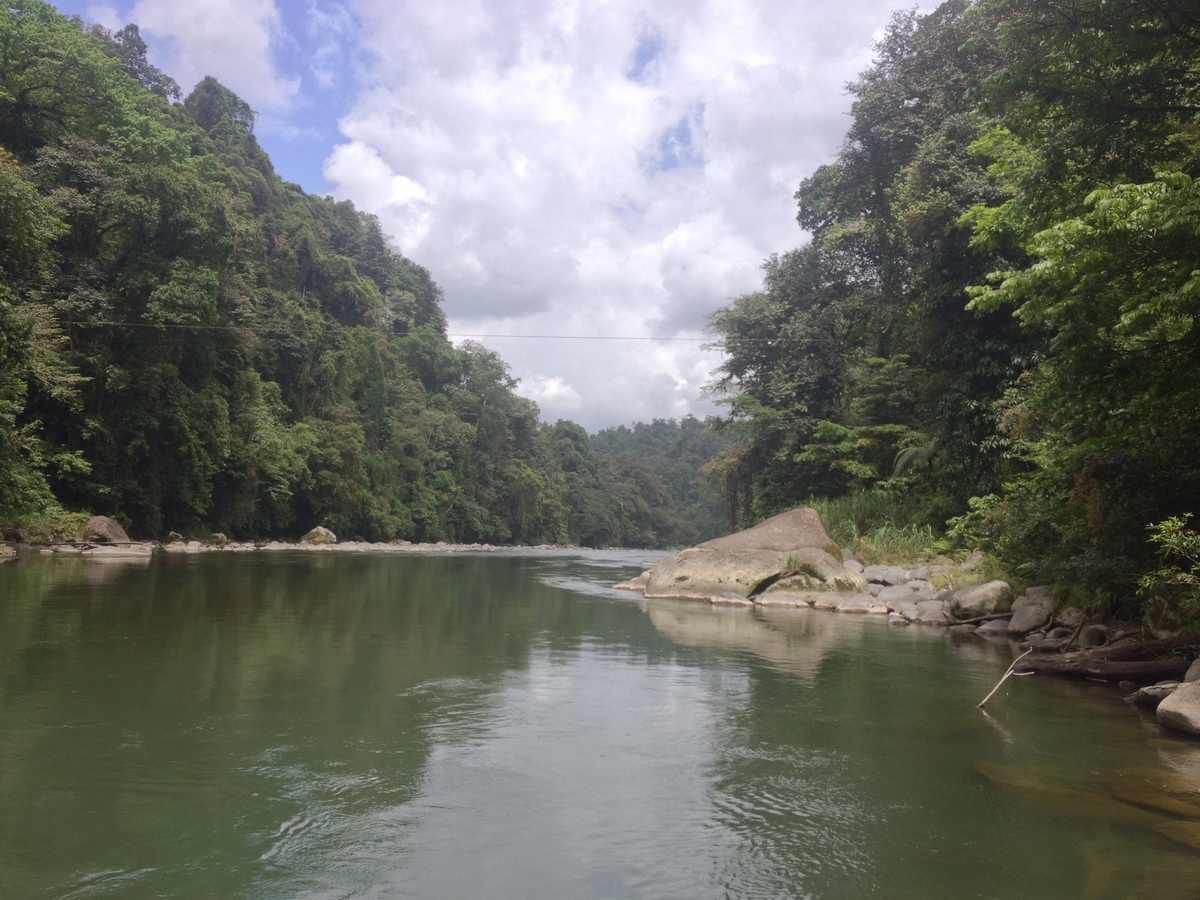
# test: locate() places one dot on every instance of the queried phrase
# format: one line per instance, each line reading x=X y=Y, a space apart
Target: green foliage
x=188 y=343
x=1173 y=593
x=1000 y=291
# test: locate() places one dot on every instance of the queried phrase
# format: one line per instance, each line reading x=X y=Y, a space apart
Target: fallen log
x=1142 y=662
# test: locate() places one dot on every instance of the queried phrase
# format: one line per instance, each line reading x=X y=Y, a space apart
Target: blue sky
x=611 y=169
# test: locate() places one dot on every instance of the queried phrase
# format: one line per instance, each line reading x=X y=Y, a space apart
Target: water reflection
x=312 y=726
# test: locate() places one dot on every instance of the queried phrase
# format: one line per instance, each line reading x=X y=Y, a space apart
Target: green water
x=328 y=726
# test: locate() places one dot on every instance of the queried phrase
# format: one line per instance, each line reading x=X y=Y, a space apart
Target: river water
x=506 y=725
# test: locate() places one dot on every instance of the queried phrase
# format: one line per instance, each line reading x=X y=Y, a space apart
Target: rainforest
x=986 y=335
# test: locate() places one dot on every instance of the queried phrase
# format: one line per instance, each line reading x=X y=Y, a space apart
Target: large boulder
x=103 y=530
x=788 y=555
x=1028 y=618
x=698 y=574
x=1193 y=672
x=319 y=535
x=981 y=600
x=809 y=570
x=796 y=529
x=1181 y=710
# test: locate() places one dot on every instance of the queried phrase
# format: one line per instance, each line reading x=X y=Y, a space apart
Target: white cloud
x=551 y=392
x=612 y=169
x=235 y=41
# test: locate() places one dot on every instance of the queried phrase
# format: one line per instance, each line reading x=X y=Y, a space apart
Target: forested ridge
x=993 y=325
x=187 y=342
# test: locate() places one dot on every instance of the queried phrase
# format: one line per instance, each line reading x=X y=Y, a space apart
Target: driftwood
x=1011 y=669
x=1138 y=661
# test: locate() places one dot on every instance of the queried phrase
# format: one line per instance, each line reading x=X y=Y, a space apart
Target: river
x=504 y=725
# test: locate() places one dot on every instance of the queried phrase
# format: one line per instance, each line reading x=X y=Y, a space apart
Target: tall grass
x=880 y=527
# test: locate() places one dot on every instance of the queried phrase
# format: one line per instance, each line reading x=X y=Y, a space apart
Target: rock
x=7 y=552
x=962 y=629
x=898 y=620
x=849 y=556
x=931 y=612
x=1193 y=672
x=634 y=584
x=894 y=594
x=1181 y=710
x=128 y=551
x=319 y=535
x=789 y=555
x=1152 y=695
x=854 y=566
x=218 y=538
x=886 y=575
x=981 y=600
x=1092 y=636
x=1028 y=618
x=994 y=626
x=852 y=605
x=103 y=530
x=809 y=569
x=917 y=584
x=731 y=599
x=1071 y=617
x=827 y=601
x=699 y=574
x=796 y=529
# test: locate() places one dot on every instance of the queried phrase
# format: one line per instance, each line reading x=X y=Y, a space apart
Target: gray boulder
x=895 y=594
x=1028 y=618
x=1181 y=710
x=1152 y=695
x=319 y=535
x=789 y=555
x=1092 y=636
x=886 y=575
x=981 y=600
x=103 y=530
x=698 y=574
x=1071 y=617
x=1193 y=672
x=787 y=532
x=809 y=569
x=994 y=626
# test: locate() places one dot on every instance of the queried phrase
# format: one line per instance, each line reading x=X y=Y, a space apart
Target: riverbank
x=790 y=561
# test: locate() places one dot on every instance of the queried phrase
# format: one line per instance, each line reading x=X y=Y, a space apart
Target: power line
x=182 y=326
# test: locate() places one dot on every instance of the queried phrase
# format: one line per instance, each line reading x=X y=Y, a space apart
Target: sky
x=587 y=180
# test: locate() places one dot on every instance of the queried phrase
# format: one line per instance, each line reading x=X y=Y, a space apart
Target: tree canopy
x=189 y=343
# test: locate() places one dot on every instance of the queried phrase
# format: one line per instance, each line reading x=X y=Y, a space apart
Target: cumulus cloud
x=605 y=169
x=233 y=40
x=614 y=169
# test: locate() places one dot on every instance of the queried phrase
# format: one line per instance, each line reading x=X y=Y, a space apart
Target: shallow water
x=291 y=725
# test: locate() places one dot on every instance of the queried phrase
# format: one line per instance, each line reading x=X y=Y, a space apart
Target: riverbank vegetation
x=992 y=328
x=189 y=343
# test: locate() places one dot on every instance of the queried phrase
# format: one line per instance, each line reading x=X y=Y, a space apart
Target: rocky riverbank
x=790 y=561
x=104 y=538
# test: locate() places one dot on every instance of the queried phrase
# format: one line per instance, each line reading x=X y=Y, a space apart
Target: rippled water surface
x=333 y=726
